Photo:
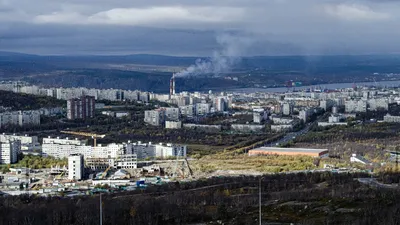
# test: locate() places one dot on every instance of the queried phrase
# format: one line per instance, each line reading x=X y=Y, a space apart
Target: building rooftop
x=301 y=150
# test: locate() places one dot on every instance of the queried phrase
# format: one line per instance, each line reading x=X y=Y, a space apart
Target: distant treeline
x=303 y=198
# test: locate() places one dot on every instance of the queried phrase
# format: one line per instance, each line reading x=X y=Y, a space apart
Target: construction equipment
x=190 y=169
x=181 y=168
x=104 y=174
x=93 y=135
x=60 y=175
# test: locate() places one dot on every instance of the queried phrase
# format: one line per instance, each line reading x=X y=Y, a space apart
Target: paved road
x=374 y=183
x=290 y=136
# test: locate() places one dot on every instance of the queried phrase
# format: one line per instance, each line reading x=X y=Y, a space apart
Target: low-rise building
x=327 y=124
x=391 y=119
x=127 y=161
x=209 y=128
x=121 y=114
x=247 y=127
x=359 y=159
x=281 y=127
x=289 y=151
x=280 y=120
x=173 y=124
x=108 y=113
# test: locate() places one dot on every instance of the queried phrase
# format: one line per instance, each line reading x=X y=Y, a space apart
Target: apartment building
x=154 y=117
x=81 y=108
x=20 y=118
x=9 y=151
x=76 y=167
x=28 y=143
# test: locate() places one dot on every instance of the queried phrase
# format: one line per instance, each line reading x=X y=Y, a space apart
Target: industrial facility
x=289 y=151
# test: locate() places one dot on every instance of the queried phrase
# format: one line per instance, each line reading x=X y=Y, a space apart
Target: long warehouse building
x=289 y=151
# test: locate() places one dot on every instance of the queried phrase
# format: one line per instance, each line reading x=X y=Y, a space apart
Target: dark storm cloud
x=181 y=27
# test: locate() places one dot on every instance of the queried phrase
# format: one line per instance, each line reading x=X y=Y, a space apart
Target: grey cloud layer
x=181 y=27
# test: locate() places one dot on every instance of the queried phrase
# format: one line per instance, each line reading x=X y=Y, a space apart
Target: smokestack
x=172 y=85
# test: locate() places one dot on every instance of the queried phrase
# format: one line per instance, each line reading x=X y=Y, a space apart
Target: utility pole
x=259 y=200
x=101 y=211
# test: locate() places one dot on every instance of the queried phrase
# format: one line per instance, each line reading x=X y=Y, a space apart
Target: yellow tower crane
x=94 y=136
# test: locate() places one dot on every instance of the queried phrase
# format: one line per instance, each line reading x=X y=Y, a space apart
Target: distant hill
x=257 y=71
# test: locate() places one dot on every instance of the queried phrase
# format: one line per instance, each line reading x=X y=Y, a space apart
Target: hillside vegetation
x=21 y=101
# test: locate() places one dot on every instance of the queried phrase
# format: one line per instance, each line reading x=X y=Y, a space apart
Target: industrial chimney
x=172 y=85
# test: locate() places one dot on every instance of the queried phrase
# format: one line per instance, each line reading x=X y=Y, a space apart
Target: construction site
x=94 y=169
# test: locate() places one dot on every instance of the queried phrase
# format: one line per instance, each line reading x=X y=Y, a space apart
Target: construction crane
x=93 y=135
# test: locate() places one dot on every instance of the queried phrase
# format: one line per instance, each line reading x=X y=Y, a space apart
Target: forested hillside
x=312 y=198
x=20 y=101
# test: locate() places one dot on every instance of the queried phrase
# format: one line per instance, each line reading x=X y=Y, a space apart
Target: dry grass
x=271 y=163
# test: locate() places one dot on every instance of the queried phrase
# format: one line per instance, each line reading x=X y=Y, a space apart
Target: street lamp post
x=101 y=211
x=259 y=199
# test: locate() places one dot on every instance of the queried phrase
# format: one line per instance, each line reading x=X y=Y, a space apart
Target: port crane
x=86 y=134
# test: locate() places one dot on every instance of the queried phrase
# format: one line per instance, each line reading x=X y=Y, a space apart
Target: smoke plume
x=232 y=48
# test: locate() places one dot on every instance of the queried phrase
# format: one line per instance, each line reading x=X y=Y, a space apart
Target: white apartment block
x=170 y=150
x=202 y=109
x=143 y=150
x=154 y=117
x=25 y=139
x=219 y=104
x=76 y=167
x=27 y=142
x=149 y=150
x=378 y=103
x=325 y=104
x=172 y=114
x=287 y=109
x=20 y=118
x=188 y=110
x=303 y=115
x=258 y=117
x=181 y=100
x=356 y=106
x=391 y=119
x=62 y=148
x=9 y=151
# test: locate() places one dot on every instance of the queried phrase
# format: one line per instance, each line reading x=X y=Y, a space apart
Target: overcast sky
x=188 y=27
